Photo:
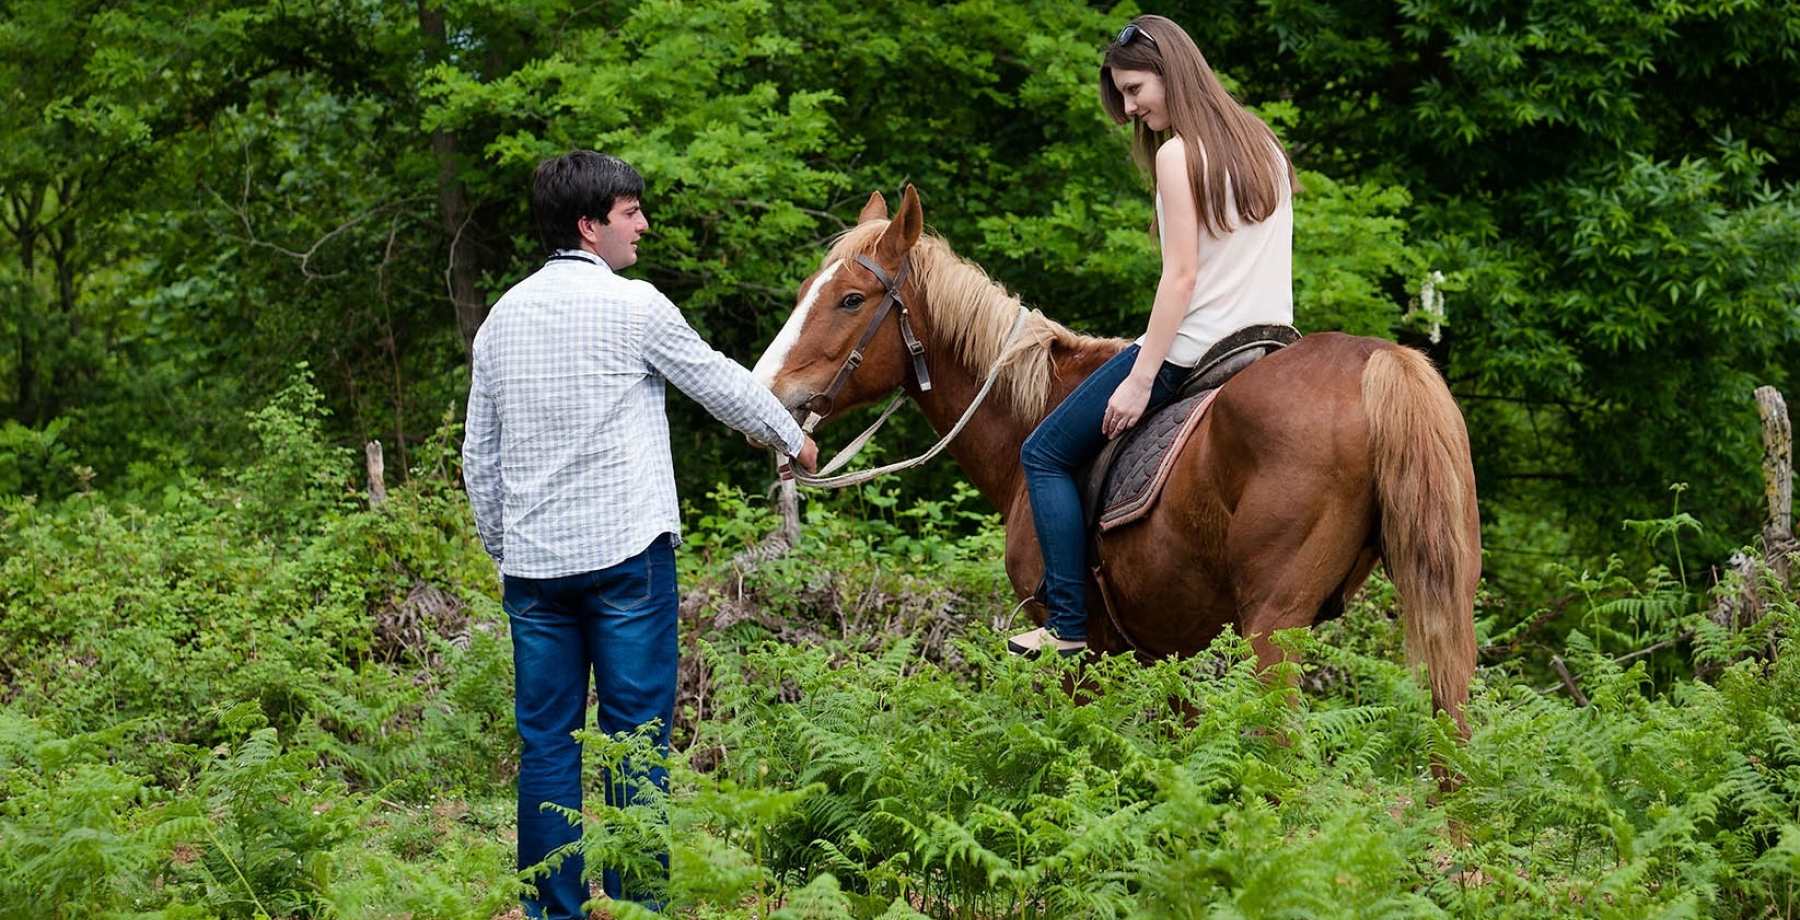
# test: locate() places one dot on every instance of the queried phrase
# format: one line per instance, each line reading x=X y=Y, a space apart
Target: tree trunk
x=63 y=370
x=461 y=273
x=21 y=217
x=25 y=407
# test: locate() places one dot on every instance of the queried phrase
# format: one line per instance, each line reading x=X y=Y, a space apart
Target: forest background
x=237 y=240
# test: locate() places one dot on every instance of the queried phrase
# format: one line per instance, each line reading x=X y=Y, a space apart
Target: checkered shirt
x=566 y=451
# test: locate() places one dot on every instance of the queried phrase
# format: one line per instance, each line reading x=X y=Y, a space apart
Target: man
x=567 y=464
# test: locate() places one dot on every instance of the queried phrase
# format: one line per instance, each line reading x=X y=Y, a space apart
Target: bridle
x=821 y=405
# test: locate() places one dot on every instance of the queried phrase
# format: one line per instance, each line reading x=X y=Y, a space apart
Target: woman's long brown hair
x=1223 y=139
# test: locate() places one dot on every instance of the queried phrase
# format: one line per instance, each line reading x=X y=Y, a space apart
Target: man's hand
x=809 y=454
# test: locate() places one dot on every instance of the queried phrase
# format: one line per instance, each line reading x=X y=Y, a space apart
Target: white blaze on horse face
x=770 y=363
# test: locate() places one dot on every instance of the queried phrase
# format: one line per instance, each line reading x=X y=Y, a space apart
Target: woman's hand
x=1125 y=407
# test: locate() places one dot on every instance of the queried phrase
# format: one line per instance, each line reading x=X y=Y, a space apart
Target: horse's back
x=1297 y=409
x=1279 y=462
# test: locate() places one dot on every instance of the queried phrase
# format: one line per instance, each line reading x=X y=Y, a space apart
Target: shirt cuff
x=797 y=443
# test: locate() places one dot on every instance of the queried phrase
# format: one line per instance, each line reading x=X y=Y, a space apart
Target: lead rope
x=823 y=478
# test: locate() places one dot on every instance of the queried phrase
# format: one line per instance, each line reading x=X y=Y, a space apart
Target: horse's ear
x=876 y=209
x=898 y=239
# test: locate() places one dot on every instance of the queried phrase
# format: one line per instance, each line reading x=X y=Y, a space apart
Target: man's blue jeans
x=619 y=624
x=1068 y=439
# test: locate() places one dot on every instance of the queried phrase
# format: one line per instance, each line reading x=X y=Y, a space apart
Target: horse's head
x=811 y=365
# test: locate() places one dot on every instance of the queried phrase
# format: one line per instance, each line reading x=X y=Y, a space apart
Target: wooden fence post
x=1746 y=605
x=788 y=501
x=377 y=476
x=1778 y=479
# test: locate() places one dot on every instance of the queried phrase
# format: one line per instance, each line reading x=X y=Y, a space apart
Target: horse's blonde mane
x=976 y=313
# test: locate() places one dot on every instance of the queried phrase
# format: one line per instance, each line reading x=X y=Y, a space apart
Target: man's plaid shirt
x=566 y=451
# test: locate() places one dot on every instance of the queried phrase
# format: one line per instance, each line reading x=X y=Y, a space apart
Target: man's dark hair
x=580 y=183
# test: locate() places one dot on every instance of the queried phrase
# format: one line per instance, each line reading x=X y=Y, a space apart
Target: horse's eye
x=852 y=301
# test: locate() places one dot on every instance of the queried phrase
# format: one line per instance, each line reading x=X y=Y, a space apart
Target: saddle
x=1125 y=481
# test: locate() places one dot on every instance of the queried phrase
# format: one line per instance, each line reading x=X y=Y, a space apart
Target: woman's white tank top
x=1243 y=278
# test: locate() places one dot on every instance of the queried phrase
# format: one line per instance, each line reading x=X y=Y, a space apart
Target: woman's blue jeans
x=618 y=624
x=1067 y=440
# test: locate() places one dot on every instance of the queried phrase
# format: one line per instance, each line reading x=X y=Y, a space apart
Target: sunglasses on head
x=1131 y=33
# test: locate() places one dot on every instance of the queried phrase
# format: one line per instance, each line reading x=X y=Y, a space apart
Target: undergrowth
x=253 y=696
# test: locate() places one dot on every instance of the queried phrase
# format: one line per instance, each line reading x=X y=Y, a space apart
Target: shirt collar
x=585 y=256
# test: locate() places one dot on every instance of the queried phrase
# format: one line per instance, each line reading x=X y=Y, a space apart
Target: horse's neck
x=988 y=448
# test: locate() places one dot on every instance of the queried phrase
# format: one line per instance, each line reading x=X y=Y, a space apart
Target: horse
x=1311 y=465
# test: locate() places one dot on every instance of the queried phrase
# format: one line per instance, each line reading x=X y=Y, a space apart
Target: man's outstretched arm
x=724 y=387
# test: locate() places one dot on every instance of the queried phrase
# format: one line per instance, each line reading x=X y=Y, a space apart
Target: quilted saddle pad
x=1141 y=464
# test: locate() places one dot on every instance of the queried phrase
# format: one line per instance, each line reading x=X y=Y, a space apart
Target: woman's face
x=1142 y=91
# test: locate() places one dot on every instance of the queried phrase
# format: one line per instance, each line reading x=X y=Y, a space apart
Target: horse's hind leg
x=1287 y=559
x=1359 y=573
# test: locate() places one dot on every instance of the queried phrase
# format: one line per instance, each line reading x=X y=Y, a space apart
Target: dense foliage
x=1592 y=204
x=250 y=695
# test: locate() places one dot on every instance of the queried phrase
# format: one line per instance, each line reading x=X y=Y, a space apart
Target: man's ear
x=876 y=209
x=898 y=239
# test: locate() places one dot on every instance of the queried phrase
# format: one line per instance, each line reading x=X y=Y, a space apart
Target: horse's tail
x=1430 y=536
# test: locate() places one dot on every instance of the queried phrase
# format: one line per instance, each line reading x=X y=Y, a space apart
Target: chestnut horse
x=1312 y=464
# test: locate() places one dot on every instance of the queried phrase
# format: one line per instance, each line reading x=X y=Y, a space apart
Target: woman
x=1225 y=219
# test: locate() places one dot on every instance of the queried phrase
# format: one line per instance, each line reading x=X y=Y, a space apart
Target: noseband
x=821 y=405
